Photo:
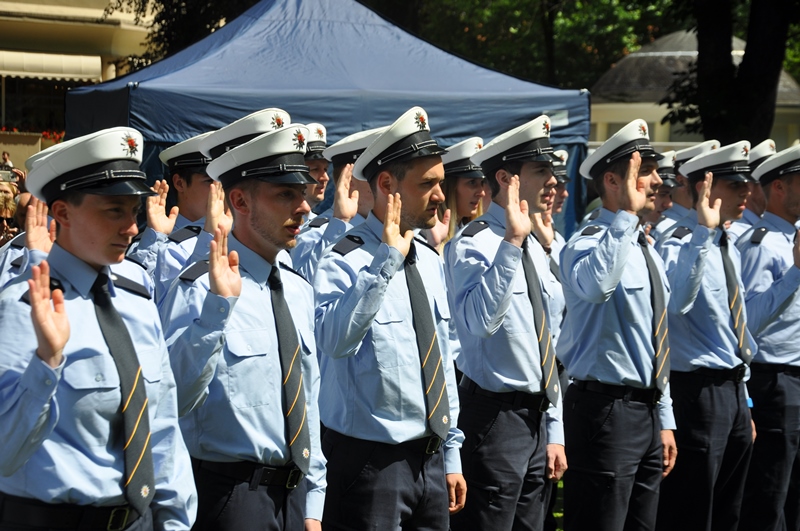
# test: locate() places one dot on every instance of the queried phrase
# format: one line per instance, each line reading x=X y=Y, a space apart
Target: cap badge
x=478 y=146
x=277 y=122
x=299 y=140
x=642 y=130
x=772 y=146
x=745 y=151
x=546 y=128
x=320 y=133
x=129 y=145
x=421 y=122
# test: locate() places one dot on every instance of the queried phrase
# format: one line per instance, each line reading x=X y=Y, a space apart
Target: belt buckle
x=294 y=479
x=124 y=511
x=740 y=372
x=433 y=445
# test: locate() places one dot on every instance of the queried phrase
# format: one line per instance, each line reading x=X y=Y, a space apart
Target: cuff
x=702 y=236
x=666 y=417
x=201 y=248
x=452 y=460
x=387 y=261
x=150 y=237
x=508 y=258
x=792 y=277
x=555 y=430
x=624 y=221
x=40 y=379
x=315 y=503
x=216 y=311
x=335 y=229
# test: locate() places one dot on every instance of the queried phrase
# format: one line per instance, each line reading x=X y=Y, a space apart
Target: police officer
x=771 y=275
x=351 y=203
x=388 y=395
x=756 y=201
x=681 y=195
x=317 y=167
x=617 y=412
x=711 y=348
x=663 y=202
x=502 y=288
x=244 y=350
x=89 y=415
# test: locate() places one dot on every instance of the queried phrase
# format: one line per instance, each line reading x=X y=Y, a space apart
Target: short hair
x=786 y=179
x=397 y=169
x=513 y=167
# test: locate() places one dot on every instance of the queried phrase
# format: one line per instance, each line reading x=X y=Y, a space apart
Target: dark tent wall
x=329 y=61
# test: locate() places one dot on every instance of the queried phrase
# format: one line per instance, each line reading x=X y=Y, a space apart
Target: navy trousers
x=615 y=461
x=377 y=486
x=715 y=441
x=772 y=491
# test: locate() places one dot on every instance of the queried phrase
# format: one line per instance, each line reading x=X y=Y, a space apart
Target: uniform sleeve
x=455 y=437
x=347 y=299
x=685 y=263
x=25 y=257
x=592 y=266
x=174 y=257
x=312 y=244
x=145 y=252
x=28 y=407
x=194 y=319
x=665 y=413
x=768 y=289
x=481 y=288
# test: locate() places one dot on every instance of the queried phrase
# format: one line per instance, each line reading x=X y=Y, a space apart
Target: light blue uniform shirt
x=771 y=283
x=701 y=332
x=607 y=333
x=15 y=258
x=671 y=217
x=62 y=430
x=312 y=242
x=371 y=378
x=557 y=246
x=493 y=313
x=144 y=251
x=225 y=356
x=740 y=226
x=172 y=257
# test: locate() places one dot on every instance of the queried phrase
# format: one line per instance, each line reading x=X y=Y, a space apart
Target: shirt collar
x=258 y=268
x=375 y=226
x=679 y=211
x=80 y=275
x=780 y=225
x=750 y=217
x=497 y=213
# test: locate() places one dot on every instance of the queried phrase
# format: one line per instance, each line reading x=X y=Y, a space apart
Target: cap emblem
x=277 y=122
x=642 y=130
x=745 y=151
x=478 y=146
x=771 y=146
x=546 y=128
x=129 y=145
x=421 y=122
x=320 y=133
x=299 y=140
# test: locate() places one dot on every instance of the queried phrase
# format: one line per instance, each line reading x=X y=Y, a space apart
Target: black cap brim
x=120 y=187
x=296 y=177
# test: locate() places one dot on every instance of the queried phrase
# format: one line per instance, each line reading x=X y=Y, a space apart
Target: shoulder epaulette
x=287 y=268
x=197 y=270
x=681 y=232
x=135 y=261
x=318 y=222
x=138 y=236
x=474 y=228
x=417 y=239
x=185 y=233
x=758 y=235
x=16 y=262
x=591 y=230
x=594 y=215
x=18 y=241
x=129 y=285
x=54 y=285
x=347 y=244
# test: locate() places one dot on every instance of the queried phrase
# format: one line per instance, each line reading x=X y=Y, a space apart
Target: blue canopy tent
x=329 y=61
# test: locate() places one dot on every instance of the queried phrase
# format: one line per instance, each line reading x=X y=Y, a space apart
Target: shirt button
x=98 y=377
x=747 y=351
x=48 y=382
x=249 y=348
x=222 y=310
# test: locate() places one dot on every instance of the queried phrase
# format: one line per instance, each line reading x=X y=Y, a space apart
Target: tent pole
x=3 y=98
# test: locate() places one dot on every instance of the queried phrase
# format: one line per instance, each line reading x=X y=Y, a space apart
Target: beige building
x=633 y=87
x=48 y=47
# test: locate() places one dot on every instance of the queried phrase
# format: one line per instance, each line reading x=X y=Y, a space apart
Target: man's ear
x=386 y=183
x=239 y=201
x=612 y=181
x=503 y=178
x=60 y=212
x=178 y=183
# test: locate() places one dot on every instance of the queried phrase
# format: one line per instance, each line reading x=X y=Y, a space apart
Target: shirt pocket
x=251 y=369
x=633 y=287
x=393 y=339
x=89 y=391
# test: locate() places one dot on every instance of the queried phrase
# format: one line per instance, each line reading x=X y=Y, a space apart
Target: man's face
x=537 y=185
x=100 y=229
x=791 y=203
x=319 y=171
x=663 y=199
x=561 y=197
x=757 y=202
x=650 y=181
x=421 y=192
x=734 y=198
x=193 y=197
x=276 y=214
x=469 y=194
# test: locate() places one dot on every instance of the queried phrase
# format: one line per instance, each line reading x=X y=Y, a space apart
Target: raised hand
x=707 y=215
x=157 y=217
x=223 y=268
x=439 y=232
x=518 y=221
x=543 y=228
x=217 y=212
x=345 y=202
x=632 y=193
x=38 y=235
x=391 y=227
x=796 y=249
x=50 y=322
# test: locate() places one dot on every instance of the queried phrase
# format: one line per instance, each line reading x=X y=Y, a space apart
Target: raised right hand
x=345 y=202
x=157 y=218
x=38 y=235
x=391 y=227
x=223 y=268
x=633 y=197
x=217 y=213
x=50 y=323
x=707 y=215
x=518 y=221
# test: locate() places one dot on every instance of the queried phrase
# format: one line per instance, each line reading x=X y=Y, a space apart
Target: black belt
x=16 y=511
x=633 y=394
x=716 y=375
x=518 y=399
x=425 y=445
x=791 y=370
x=255 y=473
